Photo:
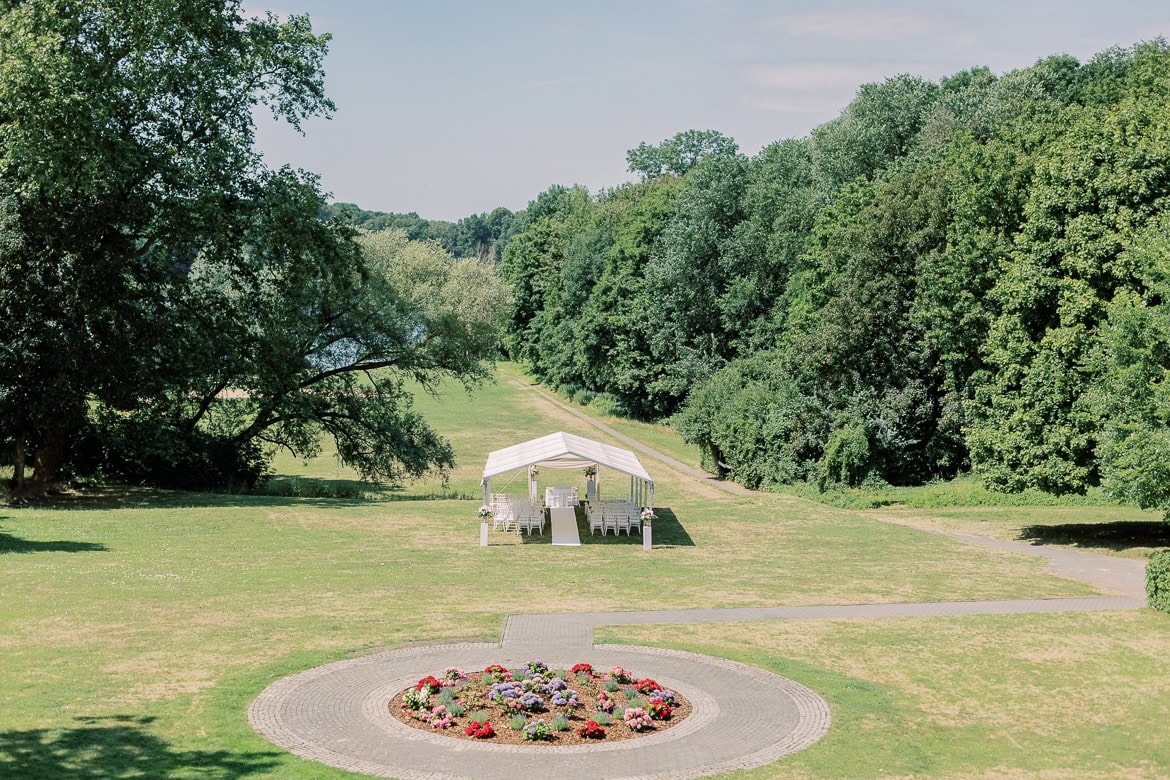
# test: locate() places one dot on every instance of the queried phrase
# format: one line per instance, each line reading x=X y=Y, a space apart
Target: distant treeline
x=969 y=273
x=482 y=236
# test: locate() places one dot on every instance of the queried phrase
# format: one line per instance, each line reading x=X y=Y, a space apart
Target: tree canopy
x=149 y=261
x=952 y=275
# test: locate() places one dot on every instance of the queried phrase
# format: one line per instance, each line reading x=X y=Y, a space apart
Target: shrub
x=1158 y=581
x=846 y=453
x=560 y=723
x=517 y=723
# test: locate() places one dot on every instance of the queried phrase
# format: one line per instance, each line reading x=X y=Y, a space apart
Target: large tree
x=149 y=260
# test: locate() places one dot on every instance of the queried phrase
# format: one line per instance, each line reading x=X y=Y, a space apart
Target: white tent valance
x=563 y=450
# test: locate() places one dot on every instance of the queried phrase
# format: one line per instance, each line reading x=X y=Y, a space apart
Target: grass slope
x=136 y=628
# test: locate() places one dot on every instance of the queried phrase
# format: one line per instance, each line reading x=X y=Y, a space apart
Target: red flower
x=428 y=682
x=591 y=730
x=582 y=669
x=658 y=710
x=647 y=686
x=480 y=730
x=495 y=669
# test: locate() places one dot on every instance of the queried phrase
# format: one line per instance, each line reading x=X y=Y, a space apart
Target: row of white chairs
x=517 y=513
x=618 y=514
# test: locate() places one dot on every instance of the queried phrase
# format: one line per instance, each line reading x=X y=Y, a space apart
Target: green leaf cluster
x=967 y=274
x=174 y=309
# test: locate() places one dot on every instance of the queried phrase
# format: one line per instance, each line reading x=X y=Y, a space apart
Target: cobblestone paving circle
x=337 y=714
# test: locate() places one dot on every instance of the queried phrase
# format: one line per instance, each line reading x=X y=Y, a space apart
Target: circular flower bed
x=533 y=704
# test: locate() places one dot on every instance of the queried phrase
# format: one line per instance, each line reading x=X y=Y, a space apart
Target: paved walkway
x=743 y=716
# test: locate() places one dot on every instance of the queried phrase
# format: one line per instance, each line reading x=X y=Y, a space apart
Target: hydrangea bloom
x=502 y=691
x=565 y=698
x=554 y=685
x=637 y=719
x=531 y=702
x=665 y=696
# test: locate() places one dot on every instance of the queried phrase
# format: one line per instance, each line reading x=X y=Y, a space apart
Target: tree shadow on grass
x=281 y=490
x=133 y=497
x=116 y=747
x=14 y=544
x=1117 y=536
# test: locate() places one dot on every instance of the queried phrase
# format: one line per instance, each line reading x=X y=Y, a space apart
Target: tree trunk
x=50 y=457
x=18 y=464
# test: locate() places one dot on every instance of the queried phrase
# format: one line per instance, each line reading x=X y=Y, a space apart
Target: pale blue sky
x=451 y=108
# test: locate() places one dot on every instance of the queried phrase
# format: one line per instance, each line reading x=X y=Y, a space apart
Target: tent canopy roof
x=563 y=450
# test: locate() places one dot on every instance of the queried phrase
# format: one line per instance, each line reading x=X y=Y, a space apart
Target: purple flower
x=565 y=698
x=531 y=702
x=554 y=685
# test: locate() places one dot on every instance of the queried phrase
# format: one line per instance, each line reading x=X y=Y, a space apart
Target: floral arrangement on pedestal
x=648 y=515
x=468 y=702
x=484 y=512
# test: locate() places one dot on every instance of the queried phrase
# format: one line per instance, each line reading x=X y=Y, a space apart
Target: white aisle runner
x=564 y=526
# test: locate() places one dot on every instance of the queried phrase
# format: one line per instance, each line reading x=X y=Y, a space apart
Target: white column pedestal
x=483 y=534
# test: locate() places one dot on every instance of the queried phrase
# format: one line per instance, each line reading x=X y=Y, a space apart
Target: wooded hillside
x=970 y=273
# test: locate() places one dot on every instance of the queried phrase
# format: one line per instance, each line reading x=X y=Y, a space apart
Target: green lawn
x=136 y=628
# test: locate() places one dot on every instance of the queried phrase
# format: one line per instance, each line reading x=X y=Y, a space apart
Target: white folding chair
x=610 y=518
x=622 y=521
x=499 y=511
x=596 y=519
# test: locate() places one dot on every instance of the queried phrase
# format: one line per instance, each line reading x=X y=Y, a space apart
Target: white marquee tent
x=566 y=451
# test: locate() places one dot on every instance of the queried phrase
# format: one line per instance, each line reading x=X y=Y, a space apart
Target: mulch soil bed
x=473 y=693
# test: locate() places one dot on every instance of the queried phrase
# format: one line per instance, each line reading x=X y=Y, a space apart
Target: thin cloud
x=818 y=75
x=863 y=25
x=816 y=105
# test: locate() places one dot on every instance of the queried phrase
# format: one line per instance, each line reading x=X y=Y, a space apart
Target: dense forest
x=969 y=274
